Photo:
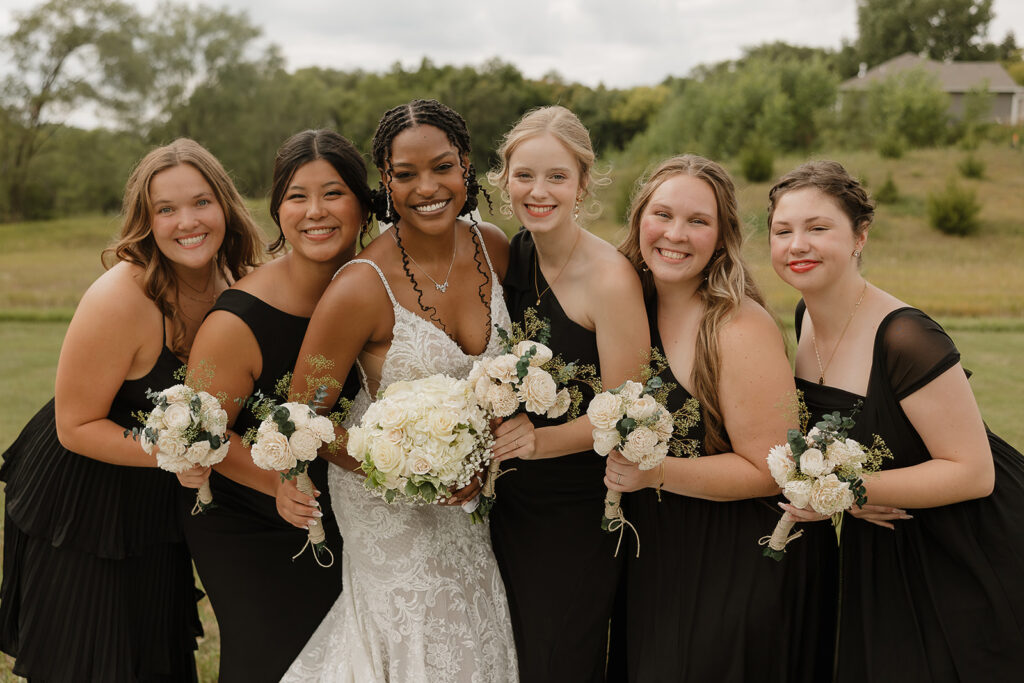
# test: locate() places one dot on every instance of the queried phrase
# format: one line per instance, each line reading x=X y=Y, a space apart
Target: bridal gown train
x=422 y=597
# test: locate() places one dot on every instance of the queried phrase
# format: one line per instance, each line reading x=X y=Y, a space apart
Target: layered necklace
x=536 y=267
x=814 y=340
x=440 y=286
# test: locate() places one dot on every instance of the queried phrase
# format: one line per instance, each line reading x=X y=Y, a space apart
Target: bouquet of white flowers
x=822 y=470
x=422 y=440
x=185 y=428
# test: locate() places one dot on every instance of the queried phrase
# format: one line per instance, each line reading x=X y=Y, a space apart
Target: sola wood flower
x=822 y=470
x=186 y=428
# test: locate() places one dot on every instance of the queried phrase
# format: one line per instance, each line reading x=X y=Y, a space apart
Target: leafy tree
x=942 y=29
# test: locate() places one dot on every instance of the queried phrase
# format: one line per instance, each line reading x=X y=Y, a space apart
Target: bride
x=422 y=598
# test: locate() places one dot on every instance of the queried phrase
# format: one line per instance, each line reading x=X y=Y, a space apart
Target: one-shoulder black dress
x=559 y=566
x=97 y=579
x=703 y=604
x=267 y=605
x=940 y=598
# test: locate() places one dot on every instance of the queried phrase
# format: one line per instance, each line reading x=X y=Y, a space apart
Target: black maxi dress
x=559 y=566
x=97 y=579
x=941 y=598
x=267 y=605
x=702 y=602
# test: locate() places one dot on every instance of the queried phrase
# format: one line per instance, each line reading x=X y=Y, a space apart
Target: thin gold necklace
x=536 y=267
x=814 y=340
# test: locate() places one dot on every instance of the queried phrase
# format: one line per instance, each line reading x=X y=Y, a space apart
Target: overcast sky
x=618 y=42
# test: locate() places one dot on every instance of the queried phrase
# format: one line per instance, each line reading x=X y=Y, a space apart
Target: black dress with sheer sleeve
x=559 y=566
x=702 y=602
x=97 y=579
x=267 y=604
x=940 y=598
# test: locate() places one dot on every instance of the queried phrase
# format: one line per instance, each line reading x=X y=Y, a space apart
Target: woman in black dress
x=702 y=603
x=97 y=580
x=931 y=568
x=268 y=604
x=559 y=566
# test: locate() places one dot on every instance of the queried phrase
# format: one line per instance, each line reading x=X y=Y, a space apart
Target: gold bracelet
x=661 y=480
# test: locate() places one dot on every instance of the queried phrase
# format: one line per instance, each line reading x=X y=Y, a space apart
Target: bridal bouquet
x=185 y=428
x=422 y=440
x=528 y=376
x=822 y=470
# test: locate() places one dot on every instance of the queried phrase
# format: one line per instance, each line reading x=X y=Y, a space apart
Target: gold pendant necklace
x=536 y=267
x=814 y=340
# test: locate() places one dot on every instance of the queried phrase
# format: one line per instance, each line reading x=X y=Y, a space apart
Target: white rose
x=391 y=415
x=481 y=387
x=631 y=390
x=304 y=444
x=502 y=399
x=503 y=368
x=780 y=463
x=197 y=452
x=642 y=408
x=386 y=456
x=605 y=440
x=172 y=463
x=812 y=436
x=323 y=428
x=542 y=356
x=537 y=390
x=479 y=370
x=218 y=455
x=355 y=442
x=271 y=451
x=170 y=453
x=798 y=492
x=639 y=443
x=829 y=495
x=604 y=410
x=179 y=393
x=299 y=414
x=156 y=419
x=562 y=402
x=420 y=465
x=442 y=423
x=395 y=388
x=664 y=426
x=813 y=464
x=177 y=417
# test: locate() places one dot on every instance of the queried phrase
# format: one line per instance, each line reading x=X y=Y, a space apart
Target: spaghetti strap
x=483 y=245
x=163 y=330
x=394 y=301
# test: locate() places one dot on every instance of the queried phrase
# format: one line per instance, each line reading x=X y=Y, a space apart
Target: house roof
x=953 y=77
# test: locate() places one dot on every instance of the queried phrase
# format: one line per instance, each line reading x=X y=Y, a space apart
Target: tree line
x=206 y=73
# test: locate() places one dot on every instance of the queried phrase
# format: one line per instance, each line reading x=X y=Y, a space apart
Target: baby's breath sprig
x=533 y=327
x=683 y=420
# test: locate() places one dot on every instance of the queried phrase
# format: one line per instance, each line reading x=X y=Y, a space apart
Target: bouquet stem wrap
x=204 y=499
x=614 y=520
x=316 y=537
x=780 y=538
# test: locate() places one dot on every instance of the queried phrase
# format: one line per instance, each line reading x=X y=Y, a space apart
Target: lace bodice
x=423 y=600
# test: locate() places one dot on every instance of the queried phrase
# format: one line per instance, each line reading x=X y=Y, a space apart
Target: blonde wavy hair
x=241 y=251
x=727 y=279
x=566 y=127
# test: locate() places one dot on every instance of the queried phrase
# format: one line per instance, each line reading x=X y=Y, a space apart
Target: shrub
x=954 y=211
x=971 y=167
x=888 y=193
x=757 y=162
x=891 y=145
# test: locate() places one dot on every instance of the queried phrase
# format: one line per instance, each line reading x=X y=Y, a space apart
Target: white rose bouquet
x=185 y=428
x=823 y=470
x=527 y=376
x=630 y=419
x=422 y=440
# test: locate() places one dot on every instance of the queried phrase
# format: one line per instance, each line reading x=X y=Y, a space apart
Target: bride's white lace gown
x=422 y=597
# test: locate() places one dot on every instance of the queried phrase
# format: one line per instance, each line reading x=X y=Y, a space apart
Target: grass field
x=973 y=286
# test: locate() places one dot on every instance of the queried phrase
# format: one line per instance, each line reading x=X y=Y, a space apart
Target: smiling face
x=187 y=221
x=426 y=182
x=812 y=239
x=320 y=216
x=543 y=183
x=679 y=229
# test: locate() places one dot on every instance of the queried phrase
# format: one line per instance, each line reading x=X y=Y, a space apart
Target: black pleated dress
x=702 y=602
x=558 y=565
x=97 y=579
x=941 y=598
x=267 y=605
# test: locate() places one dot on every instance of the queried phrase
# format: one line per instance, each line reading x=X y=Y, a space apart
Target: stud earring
x=856 y=253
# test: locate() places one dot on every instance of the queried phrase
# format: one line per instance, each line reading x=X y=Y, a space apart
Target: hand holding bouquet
x=422 y=440
x=822 y=470
x=186 y=428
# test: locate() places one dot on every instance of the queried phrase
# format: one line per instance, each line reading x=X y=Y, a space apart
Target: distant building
x=957 y=79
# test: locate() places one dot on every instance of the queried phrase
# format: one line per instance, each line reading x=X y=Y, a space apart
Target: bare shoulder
x=750 y=330
x=496 y=243
x=117 y=297
x=357 y=289
x=609 y=273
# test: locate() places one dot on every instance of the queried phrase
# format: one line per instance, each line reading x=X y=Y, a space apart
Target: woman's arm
x=115 y=334
x=758 y=401
x=945 y=415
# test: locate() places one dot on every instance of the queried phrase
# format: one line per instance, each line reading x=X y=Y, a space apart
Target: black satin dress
x=940 y=598
x=559 y=566
x=702 y=602
x=97 y=579
x=267 y=605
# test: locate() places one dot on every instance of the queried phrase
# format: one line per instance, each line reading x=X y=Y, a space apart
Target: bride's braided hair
x=448 y=121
